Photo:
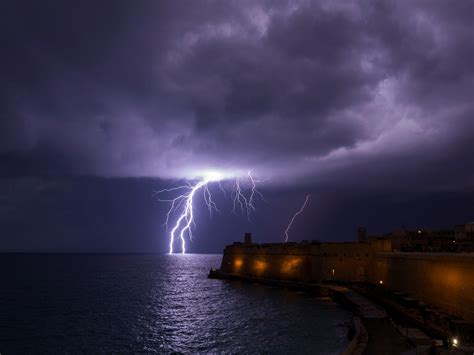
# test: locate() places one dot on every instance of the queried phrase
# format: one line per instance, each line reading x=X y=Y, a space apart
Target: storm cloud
x=368 y=106
x=290 y=90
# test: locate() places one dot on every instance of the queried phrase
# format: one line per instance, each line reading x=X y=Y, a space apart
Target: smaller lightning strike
x=296 y=214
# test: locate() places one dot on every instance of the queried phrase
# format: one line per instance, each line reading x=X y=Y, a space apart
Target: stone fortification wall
x=445 y=280
x=272 y=261
x=439 y=279
x=310 y=261
x=345 y=261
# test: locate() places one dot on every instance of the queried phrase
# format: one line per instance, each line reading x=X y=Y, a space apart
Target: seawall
x=303 y=262
x=442 y=280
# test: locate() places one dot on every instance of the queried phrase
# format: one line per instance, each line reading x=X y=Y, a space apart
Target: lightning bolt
x=182 y=204
x=239 y=199
x=296 y=214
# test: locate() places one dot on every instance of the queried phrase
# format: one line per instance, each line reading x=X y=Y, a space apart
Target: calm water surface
x=154 y=303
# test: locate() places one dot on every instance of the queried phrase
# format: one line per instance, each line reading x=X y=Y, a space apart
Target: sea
x=148 y=303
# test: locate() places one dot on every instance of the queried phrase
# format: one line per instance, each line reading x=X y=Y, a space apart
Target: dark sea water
x=154 y=303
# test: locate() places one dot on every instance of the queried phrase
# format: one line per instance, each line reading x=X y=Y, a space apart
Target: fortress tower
x=248 y=238
x=362 y=234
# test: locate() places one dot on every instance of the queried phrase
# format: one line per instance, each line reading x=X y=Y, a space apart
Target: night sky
x=368 y=106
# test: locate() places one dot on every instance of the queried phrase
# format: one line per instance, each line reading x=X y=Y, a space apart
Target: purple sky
x=372 y=97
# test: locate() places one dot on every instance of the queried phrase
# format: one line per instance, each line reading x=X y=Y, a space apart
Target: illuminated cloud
x=291 y=91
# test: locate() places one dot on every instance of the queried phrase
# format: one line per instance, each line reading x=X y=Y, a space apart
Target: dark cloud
x=369 y=100
x=165 y=89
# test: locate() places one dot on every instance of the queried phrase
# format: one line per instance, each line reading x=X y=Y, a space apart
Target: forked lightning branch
x=181 y=209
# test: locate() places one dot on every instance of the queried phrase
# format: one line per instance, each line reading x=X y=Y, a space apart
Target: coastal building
x=459 y=239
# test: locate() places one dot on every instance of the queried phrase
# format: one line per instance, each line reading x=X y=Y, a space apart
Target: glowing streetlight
x=455 y=342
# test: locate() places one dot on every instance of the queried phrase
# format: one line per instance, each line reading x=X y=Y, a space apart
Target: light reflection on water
x=154 y=303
